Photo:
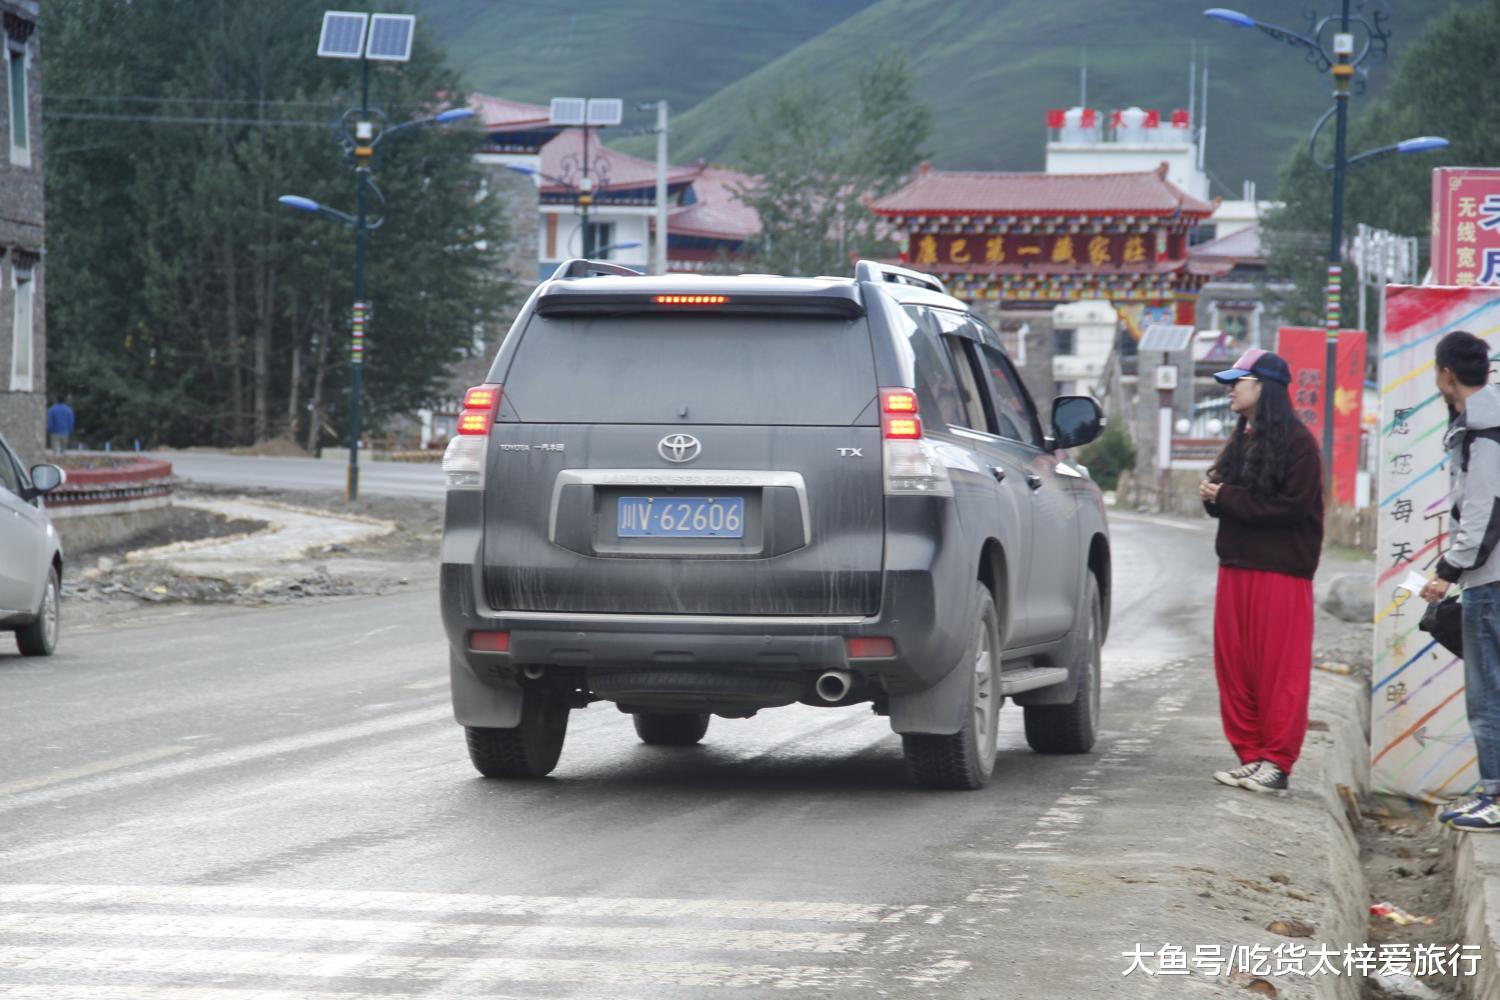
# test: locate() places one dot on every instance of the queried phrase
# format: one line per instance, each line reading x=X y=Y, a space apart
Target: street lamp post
x=1342 y=62
x=387 y=38
x=589 y=250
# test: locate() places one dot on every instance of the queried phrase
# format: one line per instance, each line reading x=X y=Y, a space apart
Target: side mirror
x=1076 y=420
x=45 y=479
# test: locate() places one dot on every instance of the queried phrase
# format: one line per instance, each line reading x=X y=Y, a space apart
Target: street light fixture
x=1342 y=61
x=366 y=37
x=589 y=253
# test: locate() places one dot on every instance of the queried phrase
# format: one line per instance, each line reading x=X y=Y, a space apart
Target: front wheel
x=40 y=637
x=529 y=750
x=1073 y=728
x=966 y=759
x=658 y=730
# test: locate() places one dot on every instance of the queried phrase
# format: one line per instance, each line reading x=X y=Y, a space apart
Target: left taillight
x=463 y=462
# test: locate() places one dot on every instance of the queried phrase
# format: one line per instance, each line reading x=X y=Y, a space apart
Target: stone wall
x=22 y=239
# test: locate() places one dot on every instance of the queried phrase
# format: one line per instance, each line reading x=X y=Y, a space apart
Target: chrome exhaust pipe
x=834 y=685
x=532 y=671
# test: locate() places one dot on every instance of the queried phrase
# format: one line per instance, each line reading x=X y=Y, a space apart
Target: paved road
x=228 y=802
x=401 y=479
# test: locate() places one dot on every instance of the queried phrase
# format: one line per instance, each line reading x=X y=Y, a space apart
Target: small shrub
x=1108 y=456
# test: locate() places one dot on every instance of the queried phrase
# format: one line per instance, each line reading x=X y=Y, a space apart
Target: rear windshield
x=663 y=369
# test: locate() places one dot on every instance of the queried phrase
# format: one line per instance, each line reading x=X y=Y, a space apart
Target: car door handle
x=998 y=472
x=1033 y=480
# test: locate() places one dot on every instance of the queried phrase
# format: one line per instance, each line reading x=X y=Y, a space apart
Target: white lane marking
x=225 y=758
x=436 y=682
x=429 y=934
x=438 y=902
x=79 y=992
x=374 y=632
x=358 y=965
x=89 y=770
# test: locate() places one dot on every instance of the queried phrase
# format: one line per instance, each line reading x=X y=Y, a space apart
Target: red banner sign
x=1306 y=352
x=1466 y=226
x=1089 y=250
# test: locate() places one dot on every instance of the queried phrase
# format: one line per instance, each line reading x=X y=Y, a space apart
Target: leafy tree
x=1107 y=456
x=186 y=305
x=818 y=160
x=1442 y=86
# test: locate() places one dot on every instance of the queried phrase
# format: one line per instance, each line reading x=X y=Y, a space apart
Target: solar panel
x=567 y=110
x=605 y=111
x=343 y=35
x=1166 y=337
x=390 y=37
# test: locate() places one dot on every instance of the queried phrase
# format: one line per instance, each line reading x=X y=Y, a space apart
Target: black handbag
x=1444 y=621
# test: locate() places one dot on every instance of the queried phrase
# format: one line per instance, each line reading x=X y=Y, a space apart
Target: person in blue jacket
x=60 y=423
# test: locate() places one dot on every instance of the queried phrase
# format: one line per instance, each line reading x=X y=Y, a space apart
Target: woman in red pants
x=1266 y=489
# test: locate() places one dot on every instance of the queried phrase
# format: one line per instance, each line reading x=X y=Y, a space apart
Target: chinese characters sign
x=1420 y=744
x=1306 y=352
x=1466 y=226
x=1084 y=250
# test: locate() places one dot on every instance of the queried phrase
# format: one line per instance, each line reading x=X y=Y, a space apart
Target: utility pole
x=586 y=198
x=1343 y=72
x=659 y=249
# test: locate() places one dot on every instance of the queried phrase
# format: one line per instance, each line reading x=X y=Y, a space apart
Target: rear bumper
x=926 y=597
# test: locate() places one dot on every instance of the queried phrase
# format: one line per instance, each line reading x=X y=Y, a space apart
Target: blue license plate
x=682 y=517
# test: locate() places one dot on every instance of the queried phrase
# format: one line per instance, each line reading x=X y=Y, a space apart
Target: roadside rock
x=1351 y=598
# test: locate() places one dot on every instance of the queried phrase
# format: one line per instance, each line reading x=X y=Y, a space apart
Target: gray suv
x=697 y=496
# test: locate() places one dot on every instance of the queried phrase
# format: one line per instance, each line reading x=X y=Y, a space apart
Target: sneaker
x=1456 y=809
x=1484 y=819
x=1232 y=778
x=1267 y=778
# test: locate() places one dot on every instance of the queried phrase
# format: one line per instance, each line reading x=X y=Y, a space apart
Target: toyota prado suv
x=708 y=496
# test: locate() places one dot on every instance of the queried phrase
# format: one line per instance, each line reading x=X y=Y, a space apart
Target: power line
x=130 y=98
x=181 y=120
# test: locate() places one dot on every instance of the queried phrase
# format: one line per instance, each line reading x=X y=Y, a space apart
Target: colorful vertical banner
x=357 y=342
x=1420 y=745
x=1466 y=226
x=1306 y=351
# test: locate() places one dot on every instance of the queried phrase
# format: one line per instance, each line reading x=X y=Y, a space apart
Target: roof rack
x=579 y=267
x=874 y=270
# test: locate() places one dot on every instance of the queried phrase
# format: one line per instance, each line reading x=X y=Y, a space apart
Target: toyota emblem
x=679 y=448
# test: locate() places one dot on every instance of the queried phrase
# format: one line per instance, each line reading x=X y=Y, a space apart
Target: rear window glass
x=692 y=368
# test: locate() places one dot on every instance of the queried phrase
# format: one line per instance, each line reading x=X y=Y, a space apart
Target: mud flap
x=479 y=704
x=940 y=710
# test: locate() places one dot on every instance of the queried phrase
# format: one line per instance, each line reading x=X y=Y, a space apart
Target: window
x=1014 y=413
x=22 y=363
x=10 y=479
x=1064 y=341
x=603 y=235
x=20 y=130
x=938 y=394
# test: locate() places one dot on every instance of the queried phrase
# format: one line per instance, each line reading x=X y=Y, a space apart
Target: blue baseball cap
x=1259 y=364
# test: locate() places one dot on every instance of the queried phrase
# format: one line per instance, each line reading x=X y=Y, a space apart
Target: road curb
x=1341 y=759
x=1475 y=910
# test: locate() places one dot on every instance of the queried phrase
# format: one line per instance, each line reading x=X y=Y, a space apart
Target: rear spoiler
x=736 y=295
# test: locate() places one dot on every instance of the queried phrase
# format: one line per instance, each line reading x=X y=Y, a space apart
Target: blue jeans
x=1482 y=679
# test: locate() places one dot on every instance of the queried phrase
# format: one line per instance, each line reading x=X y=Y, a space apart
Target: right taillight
x=463 y=461
x=913 y=465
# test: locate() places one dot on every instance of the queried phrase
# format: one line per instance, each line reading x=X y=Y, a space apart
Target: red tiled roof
x=496 y=113
x=718 y=213
x=610 y=168
x=944 y=192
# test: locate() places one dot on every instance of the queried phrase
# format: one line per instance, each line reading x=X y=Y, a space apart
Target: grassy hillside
x=639 y=50
x=988 y=68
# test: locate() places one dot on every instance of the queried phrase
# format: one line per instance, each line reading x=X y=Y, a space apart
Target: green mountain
x=990 y=69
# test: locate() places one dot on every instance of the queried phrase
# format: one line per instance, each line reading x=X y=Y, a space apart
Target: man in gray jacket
x=1473 y=558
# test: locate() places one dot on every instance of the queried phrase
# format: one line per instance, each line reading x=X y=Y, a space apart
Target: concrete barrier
x=107 y=506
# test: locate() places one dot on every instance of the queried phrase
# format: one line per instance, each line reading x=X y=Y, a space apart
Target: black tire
x=40 y=637
x=1074 y=727
x=660 y=730
x=529 y=750
x=966 y=759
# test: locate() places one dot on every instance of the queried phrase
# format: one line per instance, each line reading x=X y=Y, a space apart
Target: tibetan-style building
x=1034 y=240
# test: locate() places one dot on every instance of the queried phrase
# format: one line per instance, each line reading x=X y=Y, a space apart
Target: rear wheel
x=1073 y=728
x=40 y=637
x=529 y=750
x=966 y=759
x=658 y=730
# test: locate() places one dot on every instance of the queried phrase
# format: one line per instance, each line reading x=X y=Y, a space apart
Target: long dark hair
x=1257 y=461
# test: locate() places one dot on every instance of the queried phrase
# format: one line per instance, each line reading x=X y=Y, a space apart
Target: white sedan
x=30 y=555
